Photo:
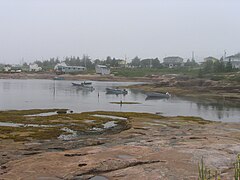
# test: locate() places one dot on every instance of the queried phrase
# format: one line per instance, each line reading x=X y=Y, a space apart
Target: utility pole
x=84 y=59
x=225 y=55
x=193 y=56
x=150 y=63
x=125 y=60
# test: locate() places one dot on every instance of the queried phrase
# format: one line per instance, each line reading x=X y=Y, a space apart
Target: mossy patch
x=54 y=123
x=77 y=122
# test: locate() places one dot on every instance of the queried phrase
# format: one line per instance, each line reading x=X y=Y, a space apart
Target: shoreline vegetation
x=136 y=141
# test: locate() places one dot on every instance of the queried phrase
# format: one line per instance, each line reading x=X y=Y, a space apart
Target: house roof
x=102 y=66
x=175 y=59
x=210 y=58
x=234 y=56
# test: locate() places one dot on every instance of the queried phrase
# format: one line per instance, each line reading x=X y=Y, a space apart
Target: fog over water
x=40 y=29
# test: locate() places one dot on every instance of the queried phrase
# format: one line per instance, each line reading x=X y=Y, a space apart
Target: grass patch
x=141 y=72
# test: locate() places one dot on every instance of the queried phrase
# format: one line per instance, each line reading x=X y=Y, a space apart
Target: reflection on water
x=220 y=108
x=32 y=94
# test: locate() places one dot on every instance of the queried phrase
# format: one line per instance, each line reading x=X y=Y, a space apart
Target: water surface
x=43 y=94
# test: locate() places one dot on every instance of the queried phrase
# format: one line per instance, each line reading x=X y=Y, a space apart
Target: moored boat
x=58 y=78
x=158 y=95
x=86 y=83
x=77 y=84
x=82 y=83
x=83 y=86
x=116 y=91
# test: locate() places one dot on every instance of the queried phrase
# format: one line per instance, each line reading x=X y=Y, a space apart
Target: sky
x=39 y=29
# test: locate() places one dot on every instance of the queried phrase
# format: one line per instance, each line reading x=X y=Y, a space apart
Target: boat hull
x=116 y=91
x=157 y=95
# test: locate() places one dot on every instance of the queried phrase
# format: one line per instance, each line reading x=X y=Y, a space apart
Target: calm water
x=31 y=94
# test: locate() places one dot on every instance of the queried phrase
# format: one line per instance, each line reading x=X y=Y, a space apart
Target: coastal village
x=119 y=90
x=108 y=144
x=104 y=67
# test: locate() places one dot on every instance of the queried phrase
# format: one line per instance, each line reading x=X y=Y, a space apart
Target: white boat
x=158 y=95
x=86 y=83
x=58 y=78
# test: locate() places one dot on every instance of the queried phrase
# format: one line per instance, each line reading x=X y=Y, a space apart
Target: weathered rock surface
x=151 y=149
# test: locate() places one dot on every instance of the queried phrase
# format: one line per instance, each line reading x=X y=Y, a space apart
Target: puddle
x=89 y=121
x=96 y=129
x=43 y=114
x=98 y=178
x=72 y=134
x=125 y=156
x=111 y=117
x=11 y=124
x=152 y=124
x=7 y=124
x=32 y=144
x=102 y=138
x=47 y=178
x=51 y=113
x=106 y=125
x=109 y=124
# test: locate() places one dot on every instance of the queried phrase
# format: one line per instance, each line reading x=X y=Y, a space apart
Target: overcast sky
x=40 y=29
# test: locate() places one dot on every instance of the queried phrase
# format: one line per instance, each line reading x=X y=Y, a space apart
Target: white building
x=235 y=60
x=34 y=67
x=63 y=68
x=121 y=63
x=7 y=69
x=101 y=69
x=173 y=61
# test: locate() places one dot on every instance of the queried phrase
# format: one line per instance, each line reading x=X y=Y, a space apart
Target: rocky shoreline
x=80 y=77
x=148 y=146
x=154 y=147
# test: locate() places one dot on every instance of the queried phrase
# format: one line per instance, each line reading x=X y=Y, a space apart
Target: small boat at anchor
x=158 y=95
x=78 y=84
x=87 y=83
x=83 y=86
x=82 y=83
x=58 y=78
x=116 y=91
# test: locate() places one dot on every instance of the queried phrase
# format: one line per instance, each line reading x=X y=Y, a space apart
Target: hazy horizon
x=40 y=29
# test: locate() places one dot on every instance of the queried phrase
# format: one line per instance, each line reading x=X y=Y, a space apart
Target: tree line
x=217 y=66
x=208 y=66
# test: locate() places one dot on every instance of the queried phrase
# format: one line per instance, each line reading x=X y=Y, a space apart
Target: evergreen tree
x=136 y=61
x=229 y=66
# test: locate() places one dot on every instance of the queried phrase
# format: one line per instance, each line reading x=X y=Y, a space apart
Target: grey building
x=173 y=61
x=63 y=68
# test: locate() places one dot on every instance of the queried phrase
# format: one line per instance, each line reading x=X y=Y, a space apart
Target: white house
x=12 y=69
x=63 y=68
x=234 y=59
x=121 y=63
x=34 y=67
x=7 y=69
x=101 y=69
